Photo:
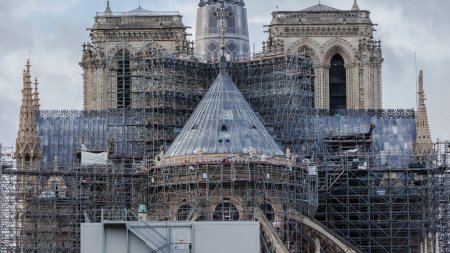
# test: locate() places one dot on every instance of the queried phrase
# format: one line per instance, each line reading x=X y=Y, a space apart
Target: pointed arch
x=125 y=46
x=149 y=50
x=333 y=77
x=309 y=47
x=341 y=47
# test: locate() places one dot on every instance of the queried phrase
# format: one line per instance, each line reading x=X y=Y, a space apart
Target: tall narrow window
x=122 y=58
x=338 y=87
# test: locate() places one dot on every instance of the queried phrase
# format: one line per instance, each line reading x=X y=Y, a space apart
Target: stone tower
x=340 y=43
x=117 y=39
x=424 y=144
x=208 y=33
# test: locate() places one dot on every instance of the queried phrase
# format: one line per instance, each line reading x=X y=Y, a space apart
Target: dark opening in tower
x=338 y=86
x=122 y=58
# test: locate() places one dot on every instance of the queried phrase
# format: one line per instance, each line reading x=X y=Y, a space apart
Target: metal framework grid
x=158 y=91
x=48 y=219
x=210 y=188
x=379 y=207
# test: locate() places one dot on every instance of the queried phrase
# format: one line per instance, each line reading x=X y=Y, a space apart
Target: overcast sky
x=54 y=30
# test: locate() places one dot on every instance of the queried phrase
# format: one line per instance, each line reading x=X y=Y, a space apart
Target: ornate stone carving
x=320 y=36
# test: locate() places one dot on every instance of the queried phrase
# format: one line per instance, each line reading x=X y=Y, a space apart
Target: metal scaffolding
x=162 y=89
x=48 y=217
x=380 y=207
x=362 y=197
x=210 y=188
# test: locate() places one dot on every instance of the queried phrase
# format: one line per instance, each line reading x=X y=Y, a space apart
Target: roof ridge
x=320 y=8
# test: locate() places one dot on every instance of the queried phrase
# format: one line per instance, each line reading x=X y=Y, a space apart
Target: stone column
x=318 y=87
x=316 y=245
x=349 y=85
x=438 y=246
x=326 y=86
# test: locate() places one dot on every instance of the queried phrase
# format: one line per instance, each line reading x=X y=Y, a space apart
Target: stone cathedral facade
x=341 y=74
x=118 y=38
x=347 y=59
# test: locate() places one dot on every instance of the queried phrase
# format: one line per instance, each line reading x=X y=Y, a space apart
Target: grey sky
x=53 y=30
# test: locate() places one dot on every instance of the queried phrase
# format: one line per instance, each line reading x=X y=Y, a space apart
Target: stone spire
x=27 y=142
x=355 y=6
x=108 y=12
x=424 y=143
x=36 y=100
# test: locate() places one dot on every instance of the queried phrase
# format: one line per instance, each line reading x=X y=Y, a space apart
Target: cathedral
x=294 y=137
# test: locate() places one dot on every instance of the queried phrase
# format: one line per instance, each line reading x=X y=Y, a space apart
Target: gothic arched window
x=226 y=211
x=123 y=72
x=338 y=86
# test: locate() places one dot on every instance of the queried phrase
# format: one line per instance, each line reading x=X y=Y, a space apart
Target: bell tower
x=118 y=39
x=208 y=33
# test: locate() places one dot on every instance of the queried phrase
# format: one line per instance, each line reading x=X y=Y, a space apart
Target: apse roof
x=320 y=8
x=223 y=123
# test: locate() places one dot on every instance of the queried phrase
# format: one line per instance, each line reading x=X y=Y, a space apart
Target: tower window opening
x=338 y=85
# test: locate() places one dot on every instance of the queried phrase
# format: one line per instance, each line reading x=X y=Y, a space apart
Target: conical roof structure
x=223 y=123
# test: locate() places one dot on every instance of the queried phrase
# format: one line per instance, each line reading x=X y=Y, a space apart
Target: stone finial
x=355 y=6
x=108 y=12
x=421 y=91
x=424 y=143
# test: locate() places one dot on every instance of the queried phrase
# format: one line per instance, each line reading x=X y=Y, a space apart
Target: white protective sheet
x=88 y=158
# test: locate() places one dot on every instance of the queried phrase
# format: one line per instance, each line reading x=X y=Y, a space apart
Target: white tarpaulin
x=88 y=158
